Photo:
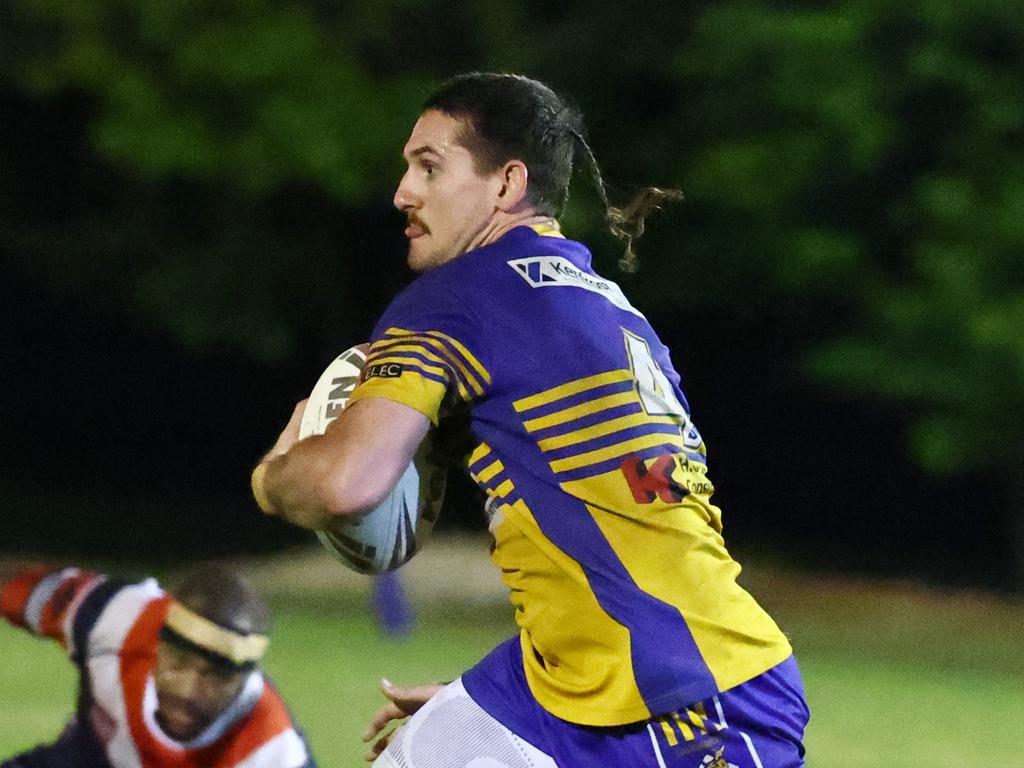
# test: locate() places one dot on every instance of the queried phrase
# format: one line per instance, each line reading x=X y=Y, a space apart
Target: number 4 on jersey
x=658 y=399
x=656 y=392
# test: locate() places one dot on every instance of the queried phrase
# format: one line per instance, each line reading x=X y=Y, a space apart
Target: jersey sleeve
x=46 y=601
x=427 y=351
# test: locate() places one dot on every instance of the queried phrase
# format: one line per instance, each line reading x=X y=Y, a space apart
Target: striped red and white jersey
x=111 y=629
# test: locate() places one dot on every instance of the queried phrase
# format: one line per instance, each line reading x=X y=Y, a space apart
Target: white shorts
x=452 y=731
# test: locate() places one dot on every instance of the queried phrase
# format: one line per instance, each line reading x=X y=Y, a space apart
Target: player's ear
x=514 y=180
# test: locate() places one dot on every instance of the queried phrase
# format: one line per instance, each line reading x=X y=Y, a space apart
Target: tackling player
x=165 y=682
x=636 y=645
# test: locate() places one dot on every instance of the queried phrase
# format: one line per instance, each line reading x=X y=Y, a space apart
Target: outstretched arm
x=348 y=470
x=43 y=600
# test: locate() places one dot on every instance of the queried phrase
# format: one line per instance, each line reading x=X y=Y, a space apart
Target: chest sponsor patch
x=559 y=272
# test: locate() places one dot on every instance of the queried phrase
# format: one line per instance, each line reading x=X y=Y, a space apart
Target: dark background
x=195 y=217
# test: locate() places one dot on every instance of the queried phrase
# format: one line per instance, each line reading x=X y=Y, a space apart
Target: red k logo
x=648 y=483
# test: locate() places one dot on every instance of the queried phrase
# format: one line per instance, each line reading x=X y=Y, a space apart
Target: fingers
x=379 y=746
x=409 y=700
x=402 y=702
x=291 y=431
x=381 y=718
x=297 y=411
x=384 y=716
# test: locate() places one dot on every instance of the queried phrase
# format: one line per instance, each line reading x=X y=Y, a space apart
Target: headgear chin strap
x=242 y=651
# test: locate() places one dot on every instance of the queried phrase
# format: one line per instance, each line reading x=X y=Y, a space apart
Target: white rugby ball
x=388 y=535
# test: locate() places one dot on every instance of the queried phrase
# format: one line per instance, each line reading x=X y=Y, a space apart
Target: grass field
x=897 y=676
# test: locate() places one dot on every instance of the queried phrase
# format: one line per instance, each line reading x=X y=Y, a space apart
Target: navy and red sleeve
x=45 y=600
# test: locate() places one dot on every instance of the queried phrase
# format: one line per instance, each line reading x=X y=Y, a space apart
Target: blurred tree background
x=195 y=217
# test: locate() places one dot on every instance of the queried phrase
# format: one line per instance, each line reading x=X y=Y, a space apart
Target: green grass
x=37 y=690
x=896 y=676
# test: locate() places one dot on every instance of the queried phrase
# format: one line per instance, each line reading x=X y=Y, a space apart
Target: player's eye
x=178 y=660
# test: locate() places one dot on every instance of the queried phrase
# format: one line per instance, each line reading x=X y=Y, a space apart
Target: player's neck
x=503 y=223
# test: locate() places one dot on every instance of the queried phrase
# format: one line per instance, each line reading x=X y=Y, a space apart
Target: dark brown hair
x=513 y=117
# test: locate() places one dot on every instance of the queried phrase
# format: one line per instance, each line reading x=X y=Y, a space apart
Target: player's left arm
x=44 y=600
x=348 y=470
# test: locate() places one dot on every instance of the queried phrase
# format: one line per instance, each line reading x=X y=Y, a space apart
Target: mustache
x=414 y=220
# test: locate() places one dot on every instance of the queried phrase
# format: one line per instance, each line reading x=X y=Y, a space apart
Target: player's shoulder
x=112 y=615
x=469 y=296
x=270 y=711
x=269 y=736
x=445 y=291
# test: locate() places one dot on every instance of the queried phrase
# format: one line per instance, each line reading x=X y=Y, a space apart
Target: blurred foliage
x=854 y=174
x=232 y=140
x=253 y=94
x=874 y=152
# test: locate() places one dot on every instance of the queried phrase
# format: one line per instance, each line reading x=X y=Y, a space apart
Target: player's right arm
x=44 y=600
x=348 y=470
x=420 y=354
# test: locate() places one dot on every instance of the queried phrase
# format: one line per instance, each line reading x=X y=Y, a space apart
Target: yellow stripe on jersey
x=555 y=607
x=578 y=411
x=423 y=344
x=386 y=357
x=390 y=346
x=684 y=728
x=602 y=429
x=428 y=338
x=419 y=393
x=478 y=453
x=504 y=489
x=696 y=719
x=571 y=388
x=612 y=451
x=443 y=372
x=547 y=229
x=670 y=735
x=489 y=471
x=484 y=374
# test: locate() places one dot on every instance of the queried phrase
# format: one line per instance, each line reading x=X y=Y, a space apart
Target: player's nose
x=187 y=686
x=404 y=199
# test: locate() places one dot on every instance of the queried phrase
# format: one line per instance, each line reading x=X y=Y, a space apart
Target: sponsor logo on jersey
x=716 y=760
x=692 y=439
x=556 y=271
x=383 y=371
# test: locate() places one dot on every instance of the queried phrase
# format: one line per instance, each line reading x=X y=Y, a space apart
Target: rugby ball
x=388 y=535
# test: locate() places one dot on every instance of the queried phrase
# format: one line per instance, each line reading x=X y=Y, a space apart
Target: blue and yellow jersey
x=596 y=479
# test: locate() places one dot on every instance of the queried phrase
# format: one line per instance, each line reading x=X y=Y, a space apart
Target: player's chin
x=421 y=256
x=179 y=723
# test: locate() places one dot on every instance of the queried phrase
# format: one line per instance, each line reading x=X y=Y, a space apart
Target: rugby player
x=164 y=681
x=637 y=646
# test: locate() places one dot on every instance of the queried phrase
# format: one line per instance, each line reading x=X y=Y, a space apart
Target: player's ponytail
x=626 y=223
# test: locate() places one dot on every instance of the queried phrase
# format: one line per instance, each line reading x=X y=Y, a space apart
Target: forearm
x=16 y=591
x=292 y=485
x=39 y=598
x=347 y=470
